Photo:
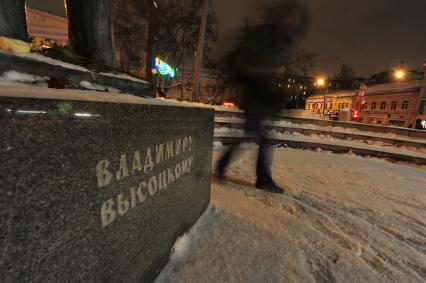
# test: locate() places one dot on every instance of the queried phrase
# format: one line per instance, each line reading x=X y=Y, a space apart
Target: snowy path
x=344 y=219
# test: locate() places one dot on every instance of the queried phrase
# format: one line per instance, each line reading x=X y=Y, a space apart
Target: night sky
x=370 y=35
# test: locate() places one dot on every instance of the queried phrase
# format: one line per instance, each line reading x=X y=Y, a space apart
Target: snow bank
x=225 y=130
x=14 y=76
x=305 y=114
x=124 y=76
x=186 y=244
x=217 y=145
x=92 y=86
x=48 y=60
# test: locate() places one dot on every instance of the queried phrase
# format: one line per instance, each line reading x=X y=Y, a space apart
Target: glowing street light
x=322 y=82
x=400 y=74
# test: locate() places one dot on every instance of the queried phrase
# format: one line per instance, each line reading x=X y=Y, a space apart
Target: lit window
x=383 y=106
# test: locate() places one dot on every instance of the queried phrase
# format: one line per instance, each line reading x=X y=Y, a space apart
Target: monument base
x=97 y=187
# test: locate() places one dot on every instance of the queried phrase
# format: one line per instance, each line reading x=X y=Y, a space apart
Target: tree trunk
x=200 y=51
x=13 y=22
x=90 y=29
x=152 y=34
x=182 y=77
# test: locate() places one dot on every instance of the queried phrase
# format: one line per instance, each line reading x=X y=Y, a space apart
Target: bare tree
x=90 y=30
x=347 y=75
x=152 y=8
x=178 y=28
x=167 y=28
x=130 y=33
x=303 y=62
x=13 y=22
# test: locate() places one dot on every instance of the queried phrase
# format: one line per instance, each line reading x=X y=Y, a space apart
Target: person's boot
x=267 y=184
x=223 y=163
x=220 y=169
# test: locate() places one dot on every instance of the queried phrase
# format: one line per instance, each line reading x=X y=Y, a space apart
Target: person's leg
x=227 y=157
x=224 y=161
x=263 y=165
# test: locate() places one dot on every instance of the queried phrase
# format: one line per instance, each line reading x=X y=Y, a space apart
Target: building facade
x=395 y=104
x=332 y=102
x=46 y=25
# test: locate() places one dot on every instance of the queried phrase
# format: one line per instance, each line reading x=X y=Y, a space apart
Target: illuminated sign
x=320 y=102
x=164 y=69
x=229 y=104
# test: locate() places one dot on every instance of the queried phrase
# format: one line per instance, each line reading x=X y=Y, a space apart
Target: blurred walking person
x=261 y=56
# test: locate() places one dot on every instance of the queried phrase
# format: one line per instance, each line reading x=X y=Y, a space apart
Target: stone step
x=397 y=141
x=404 y=132
x=392 y=153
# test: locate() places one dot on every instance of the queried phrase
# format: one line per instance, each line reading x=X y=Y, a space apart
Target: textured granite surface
x=95 y=191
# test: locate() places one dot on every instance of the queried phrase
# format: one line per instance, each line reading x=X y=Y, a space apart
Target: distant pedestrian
x=260 y=57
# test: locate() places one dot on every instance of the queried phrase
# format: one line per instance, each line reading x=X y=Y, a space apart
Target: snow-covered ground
x=343 y=219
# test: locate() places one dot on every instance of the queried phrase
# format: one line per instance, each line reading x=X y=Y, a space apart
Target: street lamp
x=400 y=74
x=321 y=82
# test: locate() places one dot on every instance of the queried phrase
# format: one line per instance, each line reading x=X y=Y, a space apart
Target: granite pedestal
x=97 y=187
